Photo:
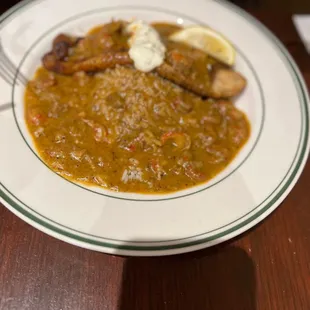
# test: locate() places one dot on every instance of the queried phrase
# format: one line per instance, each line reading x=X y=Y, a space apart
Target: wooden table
x=265 y=268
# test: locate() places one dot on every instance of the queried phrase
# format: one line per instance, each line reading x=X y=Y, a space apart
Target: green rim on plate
x=207 y=186
x=20 y=208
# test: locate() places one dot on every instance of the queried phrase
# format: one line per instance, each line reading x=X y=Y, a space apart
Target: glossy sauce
x=130 y=131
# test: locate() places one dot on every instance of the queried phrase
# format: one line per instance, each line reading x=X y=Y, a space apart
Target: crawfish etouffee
x=97 y=119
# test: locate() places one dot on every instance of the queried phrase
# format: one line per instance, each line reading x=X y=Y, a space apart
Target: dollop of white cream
x=146 y=49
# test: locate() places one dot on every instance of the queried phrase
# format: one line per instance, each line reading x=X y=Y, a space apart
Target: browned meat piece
x=226 y=83
x=168 y=72
x=52 y=63
x=196 y=71
x=62 y=44
x=103 y=61
x=93 y=64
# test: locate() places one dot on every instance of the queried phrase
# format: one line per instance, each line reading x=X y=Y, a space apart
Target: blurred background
x=296 y=6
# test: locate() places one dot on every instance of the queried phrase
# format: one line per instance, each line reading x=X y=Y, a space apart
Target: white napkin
x=302 y=23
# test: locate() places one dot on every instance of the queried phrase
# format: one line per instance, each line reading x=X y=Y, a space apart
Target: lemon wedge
x=207 y=40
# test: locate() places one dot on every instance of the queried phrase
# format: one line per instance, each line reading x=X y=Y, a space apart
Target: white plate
x=257 y=181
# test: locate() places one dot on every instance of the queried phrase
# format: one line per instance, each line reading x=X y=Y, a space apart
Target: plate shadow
x=218 y=278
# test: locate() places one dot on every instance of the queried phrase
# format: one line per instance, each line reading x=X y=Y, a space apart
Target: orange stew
x=130 y=131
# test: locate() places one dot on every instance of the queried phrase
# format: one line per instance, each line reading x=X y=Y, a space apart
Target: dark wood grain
x=267 y=268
